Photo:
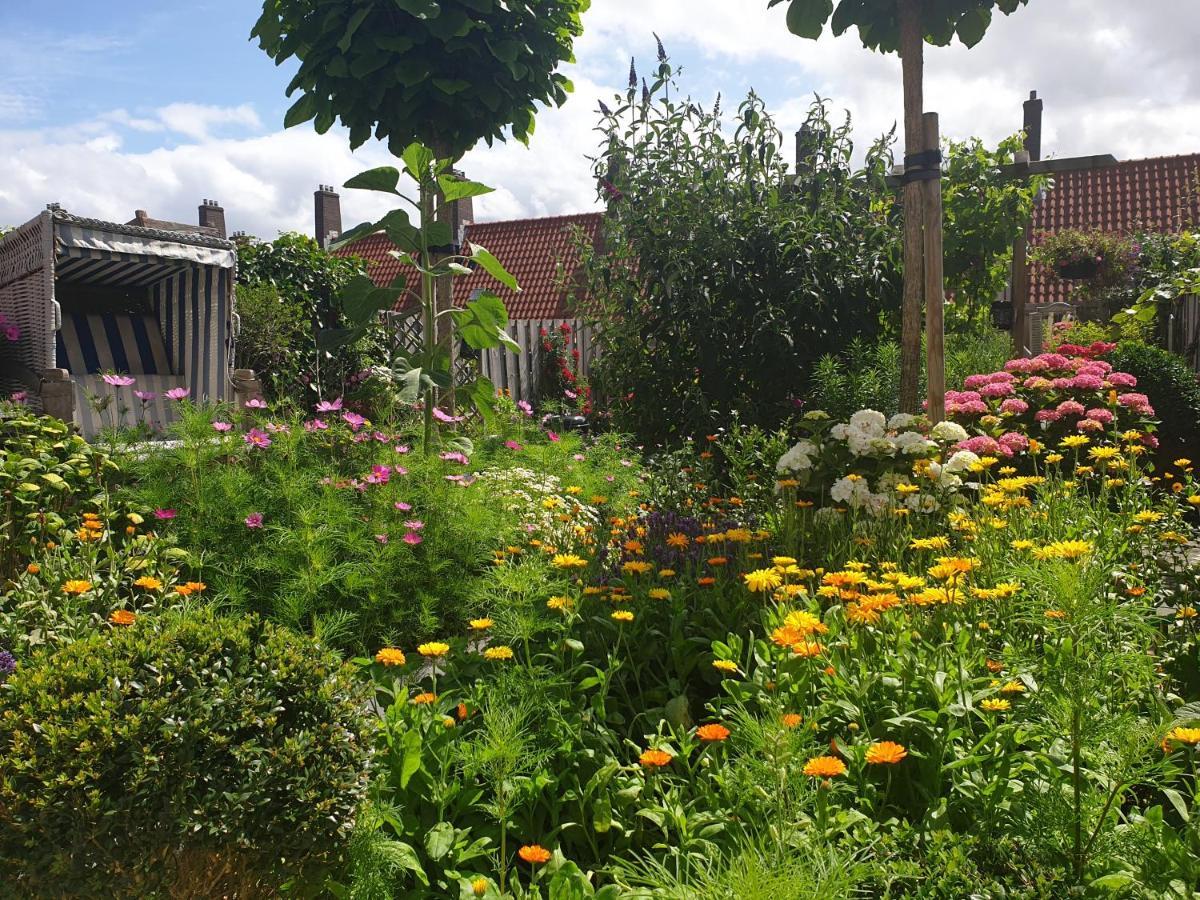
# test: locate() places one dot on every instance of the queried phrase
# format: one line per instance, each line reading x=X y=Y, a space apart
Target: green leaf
x=301 y=111
x=362 y=301
x=807 y=18
x=439 y=234
x=455 y=188
x=383 y=179
x=482 y=321
x=451 y=86
x=493 y=267
x=354 y=234
x=410 y=763
x=973 y=25
x=401 y=231
x=482 y=394
x=418 y=159
x=438 y=840
x=405 y=856
x=332 y=338
x=421 y=8
x=355 y=21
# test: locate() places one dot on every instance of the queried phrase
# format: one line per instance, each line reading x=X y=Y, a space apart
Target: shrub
x=194 y=755
x=1173 y=391
x=45 y=471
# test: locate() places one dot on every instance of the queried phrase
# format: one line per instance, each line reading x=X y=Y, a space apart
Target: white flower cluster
x=875 y=441
x=538 y=501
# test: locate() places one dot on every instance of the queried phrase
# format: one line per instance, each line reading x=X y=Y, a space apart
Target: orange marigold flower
x=390 y=656
x=423 y=699
x=655 y=759
x=33 y=568
x=791 y=720
x=678 y=539
x=148 y=582
x=885 y=752
x=706 y=581
x=433 y=649
x=712 y=732
x=461 y=711
x=77 y=586
x=122 y=617
x=808 y=649
x=824 y=767
x=534 y=854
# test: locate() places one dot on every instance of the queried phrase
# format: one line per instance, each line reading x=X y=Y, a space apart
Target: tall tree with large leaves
x=903 y=26
x=436 y=74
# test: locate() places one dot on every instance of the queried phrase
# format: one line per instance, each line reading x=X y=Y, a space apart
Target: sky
x=110 y=107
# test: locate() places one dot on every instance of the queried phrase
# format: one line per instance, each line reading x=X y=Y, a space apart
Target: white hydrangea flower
x=900 y=421
x=798 y=458
x=948 y=431
x=925 y=503
x=960 y=462
x=838 y=432
x=869 y=421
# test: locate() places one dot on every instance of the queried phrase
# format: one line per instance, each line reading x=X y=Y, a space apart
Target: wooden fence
x=514 y=371
x=1182 y=330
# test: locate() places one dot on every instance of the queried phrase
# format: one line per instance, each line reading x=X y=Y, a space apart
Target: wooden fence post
x=935 y=351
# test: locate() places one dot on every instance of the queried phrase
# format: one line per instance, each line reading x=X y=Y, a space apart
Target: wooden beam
x=935 y=294
x=1037 y=167
x=912 y=49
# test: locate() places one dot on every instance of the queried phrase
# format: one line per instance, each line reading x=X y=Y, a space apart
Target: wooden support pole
x=1020 y=293
x=912 y=60
x=935 y=296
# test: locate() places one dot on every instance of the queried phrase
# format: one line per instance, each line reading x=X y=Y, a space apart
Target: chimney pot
x=1033 y=126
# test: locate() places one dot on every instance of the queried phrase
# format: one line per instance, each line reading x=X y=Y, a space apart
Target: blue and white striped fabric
x=89 y=343
x=194 y=309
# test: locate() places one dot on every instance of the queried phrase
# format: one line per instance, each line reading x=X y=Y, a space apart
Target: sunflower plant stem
x=427 y=308
x=1077 y=788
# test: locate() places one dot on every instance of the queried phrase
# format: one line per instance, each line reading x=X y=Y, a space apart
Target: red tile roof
x=537 y=252
x=1159 y=194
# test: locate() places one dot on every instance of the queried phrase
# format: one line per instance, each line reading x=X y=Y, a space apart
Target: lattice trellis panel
x=406 y=332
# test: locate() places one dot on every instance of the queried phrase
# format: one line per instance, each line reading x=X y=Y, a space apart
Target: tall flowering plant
x=560 y=381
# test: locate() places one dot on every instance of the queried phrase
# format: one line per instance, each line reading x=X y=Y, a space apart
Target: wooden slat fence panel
x=517 y=372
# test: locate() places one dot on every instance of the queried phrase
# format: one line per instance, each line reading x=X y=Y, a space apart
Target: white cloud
x=196 y=121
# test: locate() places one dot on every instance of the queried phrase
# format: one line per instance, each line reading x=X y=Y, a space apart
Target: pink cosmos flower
x=525 y=407
x=379 y=437
x=610 y=478
x=145 y=396
x=443 y=416
x=412 y=538
x=399 y=470
x=382 y=538
x=579 y=457
x=454 y=456
x=18 y=396
x=254 y=520
x=282 y=428
x=360 y=436
x=461 y=480
x=402 y=448
x=414 y=525
x=379 y=475
x=327 y=406
x=222 y=426
x=255 y=403
x=164 y=514
x=353 y=419
x=179 y=393
x=256 y=438
x=512 y=445
x=570 y=395
x=553 y=436
x=402 y=506
x=117 y=380
x=316 y=425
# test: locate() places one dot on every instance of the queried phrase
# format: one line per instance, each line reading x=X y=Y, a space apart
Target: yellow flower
x=1185 y=612
x=886 y=752
x=762 y=580
x=1183 y=736
x=933 y=543
x=676 y=539
x=659 y=594
x=481 y=624
x=148 y=582
x=992 y=704
x=77 y=586
x=122 y=617
x=561 y=604
x=824 y=767
x=906 y=489
x=498 y=653
x=621 y=615
x=1182 y=463
x=666 y=573
x=390 y=656
x=1063 y=550
x=724 y=665
x=1075 y=440
x=1099 y=454
x=636 y=567
x=951 y=567
x=479 y=887
x=568 y=561
x=782 y=562
x=1013 y=687
x=433 y=649
x=1147 y=515
x=423 y=699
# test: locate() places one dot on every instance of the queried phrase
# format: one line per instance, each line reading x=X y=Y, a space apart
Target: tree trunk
x=935 y=293
x=911 y=56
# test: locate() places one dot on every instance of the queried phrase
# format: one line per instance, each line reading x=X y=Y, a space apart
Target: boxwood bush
x=185 y=755
x=1171 y=386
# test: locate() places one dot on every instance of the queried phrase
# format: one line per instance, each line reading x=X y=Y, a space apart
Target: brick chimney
x=327 y=209
x=212 y=217
x=1033 y=126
